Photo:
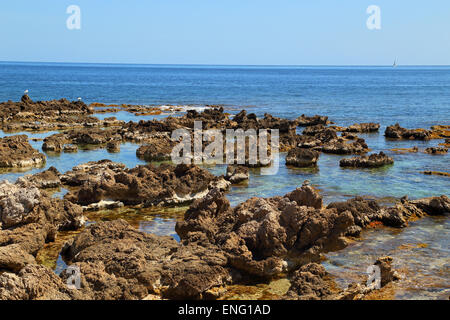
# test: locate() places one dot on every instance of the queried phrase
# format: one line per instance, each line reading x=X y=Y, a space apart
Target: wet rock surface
x=16 y=151
x=372 y=161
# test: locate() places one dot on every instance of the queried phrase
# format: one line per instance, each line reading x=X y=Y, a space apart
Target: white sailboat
x=395 y=64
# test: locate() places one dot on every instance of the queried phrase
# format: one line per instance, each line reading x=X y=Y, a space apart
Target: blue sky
x=290 y=32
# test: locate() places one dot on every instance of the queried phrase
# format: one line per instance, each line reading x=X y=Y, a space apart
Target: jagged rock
x=147 y=185
x=311 y=282
x=339 y=146
x=29 y=218
x=372 y=161
x=15 y=151
x=237 y=174
x=143 y=263
x=91 y=172
x=16 y=203
x=397 y=132
x=42 y=180
x=55 y=142
x=265 y=237
x=35 y=282
x=282 y=125
x=301 y=157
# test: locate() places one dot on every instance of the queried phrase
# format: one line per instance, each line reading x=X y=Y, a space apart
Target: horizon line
x=242 y=65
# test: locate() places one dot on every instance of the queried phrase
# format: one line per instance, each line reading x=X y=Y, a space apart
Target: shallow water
x=413 y=96
x=421 y=255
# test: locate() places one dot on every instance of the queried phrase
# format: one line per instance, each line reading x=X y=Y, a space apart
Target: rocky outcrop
x=35 y=282
x=68 y=141
x=300 y=157
x=42 y=180
x=237 y=174
x=147 y=185
x=372 y=161
x=340 y=146
x=48 y=115
x=118 y=262
x=366 y=211
x=265 y=237
x=397 y=132
x=29 y=218
x=15 y=151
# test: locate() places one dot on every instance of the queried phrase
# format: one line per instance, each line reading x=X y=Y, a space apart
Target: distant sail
x=395 y=63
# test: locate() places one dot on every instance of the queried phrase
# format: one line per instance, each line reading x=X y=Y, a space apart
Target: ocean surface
x=415 y=97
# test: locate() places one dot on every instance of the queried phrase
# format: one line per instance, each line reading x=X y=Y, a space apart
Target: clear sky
x=290 y=32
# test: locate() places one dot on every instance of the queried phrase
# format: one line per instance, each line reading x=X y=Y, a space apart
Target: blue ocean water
x=415 y=97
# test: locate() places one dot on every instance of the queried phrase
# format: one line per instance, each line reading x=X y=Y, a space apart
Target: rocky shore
x=219 y=245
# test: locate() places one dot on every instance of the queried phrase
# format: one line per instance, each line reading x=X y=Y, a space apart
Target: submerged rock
x=148 y=185
x=301 y=157
x=372 y=161
x=15 y=151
